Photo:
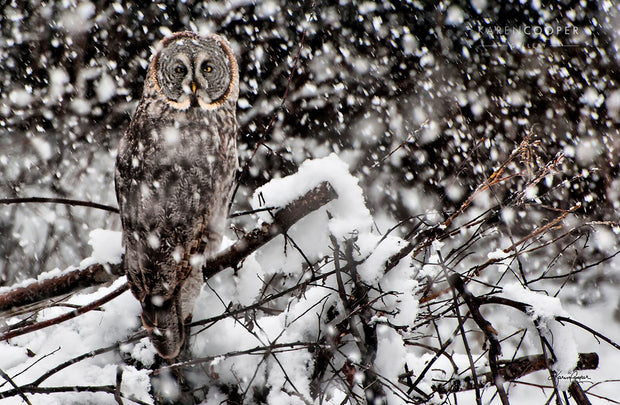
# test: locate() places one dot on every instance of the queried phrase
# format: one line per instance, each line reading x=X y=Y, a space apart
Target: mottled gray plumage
x=174 y=172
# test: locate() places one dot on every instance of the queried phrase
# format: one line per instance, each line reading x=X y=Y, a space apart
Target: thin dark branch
x=513 y=370
x=55 y=200
x=271 y=297
x=17 y=387
x=35 y=363
x=524 y=308
x=258 y=350
x=87 y=355
x=461 y=325
x=585 y=327
x=249 y=212
x=489 y=332
x=49 y=390
x=414 y=386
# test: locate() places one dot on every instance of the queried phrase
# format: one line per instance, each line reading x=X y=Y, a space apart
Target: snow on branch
x=101 y=273
x=283 y=219
x=64 y=284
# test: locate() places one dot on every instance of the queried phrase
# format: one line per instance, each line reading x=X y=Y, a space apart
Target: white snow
x=48 y=104
x=455 y=16
x=106 y=88
x=292 y=321
x=592 y=97
x=543 y=306
x=497 y=254
x=106 y=247
x=349 y=209
x=43 y=148
x=69 y=339
x=613 y=105
x=391 y=353
x=77 y=19
x=543 y=309
x=479 y=5
x=20 y=97
x=372 y=269
x=58 y=81
x=81 y=106
x=409 y=44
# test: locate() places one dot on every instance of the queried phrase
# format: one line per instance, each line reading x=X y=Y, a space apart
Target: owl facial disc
x=191 y=70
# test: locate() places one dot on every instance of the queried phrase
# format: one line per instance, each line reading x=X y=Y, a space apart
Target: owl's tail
x=164 y=324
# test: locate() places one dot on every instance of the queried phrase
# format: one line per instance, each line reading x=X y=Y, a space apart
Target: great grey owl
x=174 y=171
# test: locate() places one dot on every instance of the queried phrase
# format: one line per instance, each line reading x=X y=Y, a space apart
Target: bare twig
x=258 y=350
x=543 y=229
x=488 y=330
x=55 y=200
x=523 y=307
x=461 y=325
x=87 y=355
x=49 y=390
x=17 y=387
x=513 y=370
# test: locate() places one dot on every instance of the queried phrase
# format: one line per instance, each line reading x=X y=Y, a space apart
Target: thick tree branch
x=283 y=220
x=578 y=395
x=63 y=284
x=102 y=273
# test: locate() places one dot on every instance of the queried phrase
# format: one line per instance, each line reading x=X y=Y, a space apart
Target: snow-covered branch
x=66 y=283
x=102 y=273
x=283 y=219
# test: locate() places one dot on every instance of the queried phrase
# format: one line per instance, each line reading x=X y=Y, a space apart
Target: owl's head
x=193 y=70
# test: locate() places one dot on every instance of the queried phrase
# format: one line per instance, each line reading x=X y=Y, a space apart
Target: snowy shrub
x=330 y=310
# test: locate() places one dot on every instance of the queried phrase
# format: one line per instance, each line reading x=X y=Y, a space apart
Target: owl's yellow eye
x=180 y=69
x=206 y=68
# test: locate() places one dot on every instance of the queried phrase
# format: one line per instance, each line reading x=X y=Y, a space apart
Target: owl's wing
x=150 y=270
x=149 y=237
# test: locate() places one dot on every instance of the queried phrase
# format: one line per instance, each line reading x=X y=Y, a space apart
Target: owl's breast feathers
x=173 y=181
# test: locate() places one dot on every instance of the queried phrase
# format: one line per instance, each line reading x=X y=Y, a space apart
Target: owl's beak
x=194 y=87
